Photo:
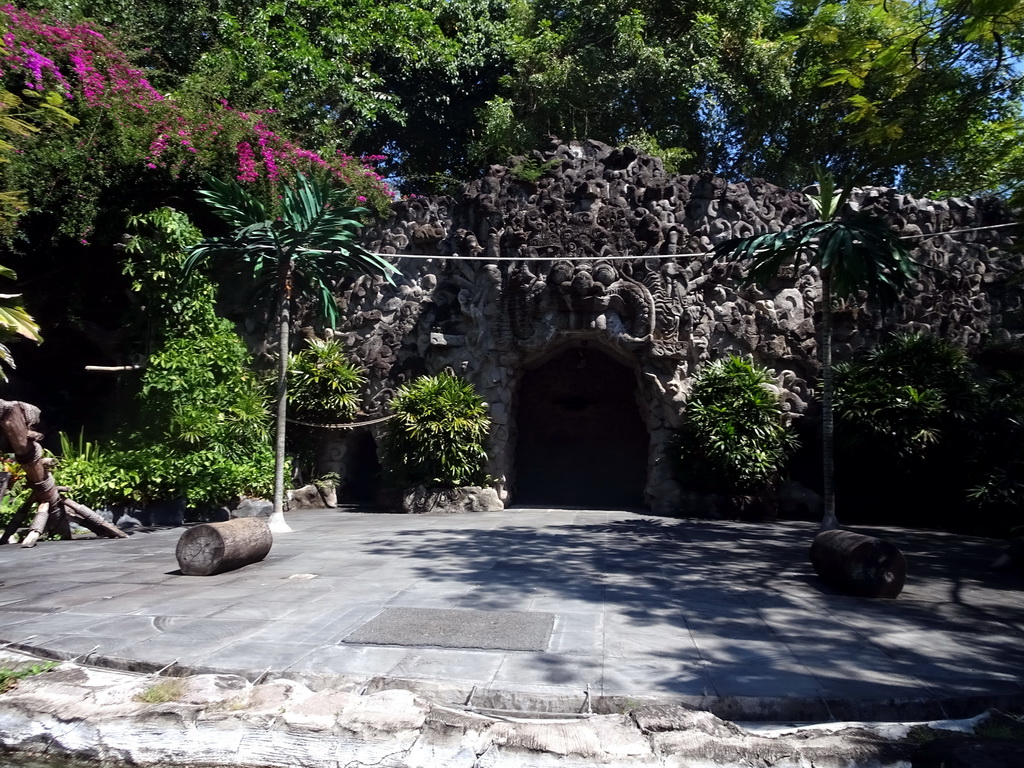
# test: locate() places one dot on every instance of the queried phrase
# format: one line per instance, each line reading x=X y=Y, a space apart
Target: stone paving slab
x=724 y=615
x=456 y=628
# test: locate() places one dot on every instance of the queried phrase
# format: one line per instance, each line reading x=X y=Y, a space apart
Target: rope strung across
x=348 y=425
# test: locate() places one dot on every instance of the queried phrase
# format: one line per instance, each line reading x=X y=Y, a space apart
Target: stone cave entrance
x=581 y=441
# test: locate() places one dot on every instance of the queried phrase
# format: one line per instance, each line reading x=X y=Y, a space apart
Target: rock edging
x=117 y=718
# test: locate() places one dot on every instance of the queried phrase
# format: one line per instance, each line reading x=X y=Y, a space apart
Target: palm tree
x=301 y=251
x=852 y=254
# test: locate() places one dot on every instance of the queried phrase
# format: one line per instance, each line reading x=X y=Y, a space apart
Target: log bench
x=859 y=565
x=212 y=548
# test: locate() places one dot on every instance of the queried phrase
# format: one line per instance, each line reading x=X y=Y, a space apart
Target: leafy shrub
x=905 y=415
x=17 y=490
x=531 y=169
x=200 y=429
x=323 y=385
x=904 y=397
x=9 y=676
x=99 y=476
x=438 y=432
x=735 y=436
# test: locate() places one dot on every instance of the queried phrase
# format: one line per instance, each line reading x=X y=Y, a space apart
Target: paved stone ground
x=723 y=615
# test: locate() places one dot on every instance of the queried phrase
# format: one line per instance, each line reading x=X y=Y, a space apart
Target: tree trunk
x=218 y=547
x=829 y=520
x=277 y=522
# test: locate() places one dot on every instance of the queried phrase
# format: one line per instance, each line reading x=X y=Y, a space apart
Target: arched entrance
x=581 y=441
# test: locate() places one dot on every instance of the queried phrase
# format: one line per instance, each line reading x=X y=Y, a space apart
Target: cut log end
x=859 y=565
x=213 y=548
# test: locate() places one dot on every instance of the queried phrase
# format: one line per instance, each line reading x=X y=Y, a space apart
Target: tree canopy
x=925 y=95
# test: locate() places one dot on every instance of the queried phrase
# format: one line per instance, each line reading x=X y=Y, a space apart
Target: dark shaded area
x=363 y=470
x=581 y=440
x=969 y=752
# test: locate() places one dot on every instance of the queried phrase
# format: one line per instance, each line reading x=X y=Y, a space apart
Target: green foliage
x=14 y=321
x=943 y=437
x=20 y=118
x=9 y=676
x=311 y=239
x=735 y=438
x=203 y=420
x=857 y=253
x=99 y=476
x=300 y=249
x=905 y=401
x=674 y=159
x=171 y=689
x=996 y=485
x=854 y=254
x=200 y=427
x=437 y=435
x=531 y=169
x=17 y=491
x=905 y=91
x=677 y=74
x=323 y=384
x=927 y=95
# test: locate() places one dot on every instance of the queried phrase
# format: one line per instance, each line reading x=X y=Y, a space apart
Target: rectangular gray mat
x=453 y=628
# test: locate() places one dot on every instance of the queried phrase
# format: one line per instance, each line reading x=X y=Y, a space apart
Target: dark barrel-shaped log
x=218 y=547
x=859 y=565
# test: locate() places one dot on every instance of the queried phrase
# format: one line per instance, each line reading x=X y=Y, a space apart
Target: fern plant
x=437 y=435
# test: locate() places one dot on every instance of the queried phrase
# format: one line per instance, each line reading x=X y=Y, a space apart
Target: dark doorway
x=581 y=440
x=363 y=470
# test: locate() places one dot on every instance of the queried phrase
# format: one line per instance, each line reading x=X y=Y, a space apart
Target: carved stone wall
x=608 y=250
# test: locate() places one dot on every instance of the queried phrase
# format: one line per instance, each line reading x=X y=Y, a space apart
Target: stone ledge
x=88 y=713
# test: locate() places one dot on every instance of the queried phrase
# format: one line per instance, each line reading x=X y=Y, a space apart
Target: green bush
x=18 y=491
x=98 y=476
x=902 y=399
x=200 y=427
x=322 y=384
x=735 y=438
x=437 y=435
x=906 y=418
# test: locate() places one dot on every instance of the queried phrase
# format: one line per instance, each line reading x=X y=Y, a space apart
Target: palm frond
x=16 y=318
x=232 y=203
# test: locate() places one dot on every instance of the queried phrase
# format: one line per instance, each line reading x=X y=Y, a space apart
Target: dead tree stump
x=859 y=565
x=213 y=548
x=54 y=512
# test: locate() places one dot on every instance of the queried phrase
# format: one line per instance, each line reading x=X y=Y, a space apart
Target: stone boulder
x=306 y=497
x=249 y=507
x=420 y=500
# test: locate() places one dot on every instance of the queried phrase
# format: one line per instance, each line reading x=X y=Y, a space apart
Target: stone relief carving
x=610 y=249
